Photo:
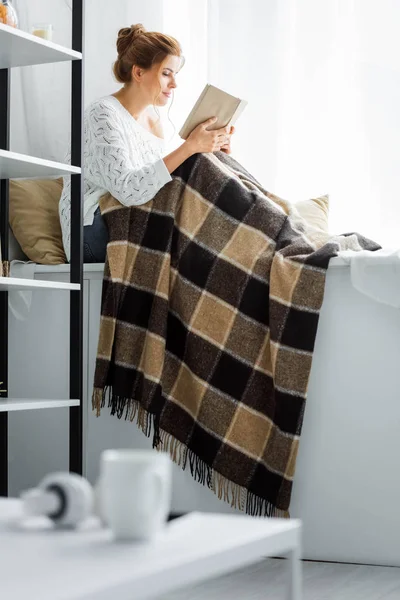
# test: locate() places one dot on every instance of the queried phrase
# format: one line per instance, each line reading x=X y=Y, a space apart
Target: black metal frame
x=76 y=297
x=76 y=306
x=4 y=193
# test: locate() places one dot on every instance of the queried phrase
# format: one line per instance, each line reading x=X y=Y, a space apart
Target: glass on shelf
x=43 y=30
x=8 y=14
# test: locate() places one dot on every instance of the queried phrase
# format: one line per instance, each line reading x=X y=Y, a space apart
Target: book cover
x=213 y=102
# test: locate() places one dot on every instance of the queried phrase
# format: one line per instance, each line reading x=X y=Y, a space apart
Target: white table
x=39 y=563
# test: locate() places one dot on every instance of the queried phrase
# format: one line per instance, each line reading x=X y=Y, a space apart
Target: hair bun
x=127 y=36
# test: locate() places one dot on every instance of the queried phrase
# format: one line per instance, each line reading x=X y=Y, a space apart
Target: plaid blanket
x=210 y=307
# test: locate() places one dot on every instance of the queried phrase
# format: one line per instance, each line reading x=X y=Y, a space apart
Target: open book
x=213 y=102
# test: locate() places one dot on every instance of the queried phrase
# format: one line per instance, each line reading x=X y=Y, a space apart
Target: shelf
x=20 y=49
x=15 y=404
x=8 y=284
x=66 y=268
x=21 y=166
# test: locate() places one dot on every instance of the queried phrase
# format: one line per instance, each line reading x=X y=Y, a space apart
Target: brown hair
x=136 y=46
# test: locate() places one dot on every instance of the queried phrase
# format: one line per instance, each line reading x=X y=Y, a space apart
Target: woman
x=124 y=142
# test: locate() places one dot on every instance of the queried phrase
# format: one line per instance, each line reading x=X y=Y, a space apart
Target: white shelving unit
x=15 y=404
x=20 y=49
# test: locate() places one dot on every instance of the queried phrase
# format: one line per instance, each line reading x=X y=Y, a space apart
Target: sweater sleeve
x=109 y=165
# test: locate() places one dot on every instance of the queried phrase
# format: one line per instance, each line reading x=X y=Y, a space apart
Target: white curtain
x=187 y=22
x=323 y=81
x=246 y=62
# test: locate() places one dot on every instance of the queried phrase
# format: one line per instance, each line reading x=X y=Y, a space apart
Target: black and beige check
x=210 y=309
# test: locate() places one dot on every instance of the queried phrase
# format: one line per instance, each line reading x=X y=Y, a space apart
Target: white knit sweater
x=120 y=157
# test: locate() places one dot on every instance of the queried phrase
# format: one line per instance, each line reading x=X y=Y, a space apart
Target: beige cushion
x=315 y=211
x=34 y=219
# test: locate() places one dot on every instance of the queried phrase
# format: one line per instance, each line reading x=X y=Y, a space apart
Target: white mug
x=135 y=488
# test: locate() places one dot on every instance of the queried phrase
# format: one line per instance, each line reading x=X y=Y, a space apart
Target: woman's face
x=154 y=79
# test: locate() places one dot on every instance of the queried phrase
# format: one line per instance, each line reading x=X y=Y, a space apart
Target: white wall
x=103 y=20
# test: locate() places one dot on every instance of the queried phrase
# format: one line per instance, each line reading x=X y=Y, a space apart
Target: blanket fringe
x=4 y=267
x=236 y=495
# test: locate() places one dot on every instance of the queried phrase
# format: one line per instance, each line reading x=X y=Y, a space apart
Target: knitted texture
x=120 y=157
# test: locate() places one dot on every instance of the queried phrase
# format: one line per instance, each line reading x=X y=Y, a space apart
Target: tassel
x=237 y=496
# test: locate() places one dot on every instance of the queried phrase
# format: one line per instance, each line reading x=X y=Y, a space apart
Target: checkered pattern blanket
x=210 y=308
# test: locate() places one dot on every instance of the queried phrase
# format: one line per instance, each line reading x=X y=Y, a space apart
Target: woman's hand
x=227 y=146
x=202 y=140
